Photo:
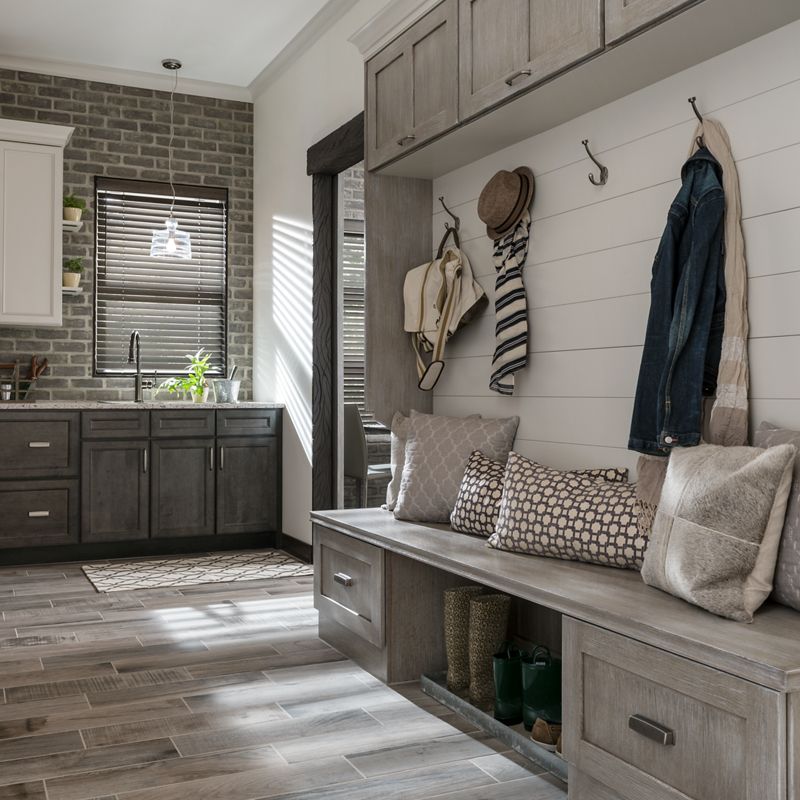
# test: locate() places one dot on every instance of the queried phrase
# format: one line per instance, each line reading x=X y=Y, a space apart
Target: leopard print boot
x=488 y=623
x=456 y=635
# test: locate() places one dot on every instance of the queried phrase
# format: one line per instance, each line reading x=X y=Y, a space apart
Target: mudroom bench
x=719 y=698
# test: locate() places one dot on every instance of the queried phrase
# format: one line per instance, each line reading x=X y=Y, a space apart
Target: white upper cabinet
x=31 y=185
x=508 y=46
x=624 y=17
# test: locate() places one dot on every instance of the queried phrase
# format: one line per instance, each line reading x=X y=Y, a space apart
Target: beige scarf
x=727 y=421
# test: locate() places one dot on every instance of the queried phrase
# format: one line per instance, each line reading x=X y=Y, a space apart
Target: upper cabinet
x=31 y=184
x=624 y=17
x=507 y=46
x=412 y=86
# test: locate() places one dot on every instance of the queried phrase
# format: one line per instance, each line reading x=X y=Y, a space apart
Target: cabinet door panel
x=247 y=485
x=625 y=17
x=182 y=488
x=114 y=491
x=30 y=234
x=563 y=33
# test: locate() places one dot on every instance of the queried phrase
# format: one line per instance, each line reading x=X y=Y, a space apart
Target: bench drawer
x=348 y=583
x=34 y=445
x=647 y=723
x=121 y=424
x=38 y=513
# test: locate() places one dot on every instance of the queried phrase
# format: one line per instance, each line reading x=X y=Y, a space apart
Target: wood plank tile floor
x=216 y=691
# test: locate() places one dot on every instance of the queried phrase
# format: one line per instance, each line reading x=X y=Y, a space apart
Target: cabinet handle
x=38 y=513
x=211 y=458
x=38 y=444
x=144 y=460
x=404 y=139
x=518 y=74
x=222 y=457
x=651 y=730
x=345 y=580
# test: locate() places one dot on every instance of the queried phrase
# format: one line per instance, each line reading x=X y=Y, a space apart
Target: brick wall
x=122 y=132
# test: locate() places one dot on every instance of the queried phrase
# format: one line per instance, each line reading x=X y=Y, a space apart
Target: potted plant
x=71 y=275
x=73 y=208
x=194 y=381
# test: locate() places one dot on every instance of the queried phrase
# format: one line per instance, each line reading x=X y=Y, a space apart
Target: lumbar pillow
x=436 y=456
x=546 y=512
x=787 y=570
x=478 y=504
x=718 y=526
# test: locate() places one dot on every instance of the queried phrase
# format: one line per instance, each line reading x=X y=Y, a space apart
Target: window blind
x=353 y=317
x=178 y=306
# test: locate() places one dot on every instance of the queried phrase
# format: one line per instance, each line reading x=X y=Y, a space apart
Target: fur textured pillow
x=437 y=453
x=787 y=570
x=478 y=504
x=718 y=526
x=568 y=515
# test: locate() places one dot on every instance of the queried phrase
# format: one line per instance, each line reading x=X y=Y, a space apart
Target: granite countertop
x=126 y=405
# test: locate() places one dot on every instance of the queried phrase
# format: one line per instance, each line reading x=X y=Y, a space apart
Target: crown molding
x=321 y=22
x=397 y=16
x=13 y=130
x=125 y=77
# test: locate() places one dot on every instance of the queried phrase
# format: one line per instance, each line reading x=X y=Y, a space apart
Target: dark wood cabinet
x=182 y=488
x=115 y=492
x=37 y=444
x=247 y=484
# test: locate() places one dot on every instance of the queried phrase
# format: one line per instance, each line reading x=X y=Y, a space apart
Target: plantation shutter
x=353 y=316
x=178 y=306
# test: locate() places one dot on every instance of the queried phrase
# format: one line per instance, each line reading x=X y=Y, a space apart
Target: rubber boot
x=456 y=635
x=508 y=685
x=488 y=623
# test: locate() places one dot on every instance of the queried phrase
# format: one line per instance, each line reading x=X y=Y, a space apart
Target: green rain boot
x=488 y=623
x=456 y=635
x=508 y=685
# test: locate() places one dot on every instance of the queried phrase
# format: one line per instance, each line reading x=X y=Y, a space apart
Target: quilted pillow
x=437 y=453
x=570 y=516
x=718 y=527
x=478 y=504
x=787 y=570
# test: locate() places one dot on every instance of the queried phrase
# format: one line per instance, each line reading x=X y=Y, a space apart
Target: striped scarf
x=511 y=307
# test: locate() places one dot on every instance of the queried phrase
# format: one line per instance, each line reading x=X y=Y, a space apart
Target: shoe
x=456 y=635
x=546 y=735
x=488 y=623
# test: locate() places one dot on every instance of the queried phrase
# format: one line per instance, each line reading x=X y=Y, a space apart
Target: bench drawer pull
x=38 y=513
x=651 y=730
x=38 y=444
x=345 y=580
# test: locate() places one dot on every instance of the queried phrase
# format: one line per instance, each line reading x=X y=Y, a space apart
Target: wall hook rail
x=603 y=179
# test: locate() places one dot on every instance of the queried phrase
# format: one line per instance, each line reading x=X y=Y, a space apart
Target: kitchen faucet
x=135 y=357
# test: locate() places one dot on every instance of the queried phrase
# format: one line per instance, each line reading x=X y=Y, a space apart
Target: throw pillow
x=718 y=526
x=478 y=504
x=436 y=456
x=565 y=515
x=397 y=458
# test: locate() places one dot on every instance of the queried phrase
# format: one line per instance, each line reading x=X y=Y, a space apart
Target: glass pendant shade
x=169 y=242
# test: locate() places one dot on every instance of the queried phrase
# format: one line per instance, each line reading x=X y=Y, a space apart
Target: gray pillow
x=436 y=456
x=787 y=571
x=718 y=526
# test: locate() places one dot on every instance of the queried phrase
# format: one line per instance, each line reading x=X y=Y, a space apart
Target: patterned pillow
x=478 y=503
x=437 y=453
x=545 y=512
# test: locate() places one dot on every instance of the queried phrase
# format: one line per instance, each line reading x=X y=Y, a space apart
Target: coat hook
x=693 y=104
x=455 y=218
x=603 y=179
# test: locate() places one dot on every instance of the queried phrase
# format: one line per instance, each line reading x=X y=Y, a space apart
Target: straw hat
x=504 y=200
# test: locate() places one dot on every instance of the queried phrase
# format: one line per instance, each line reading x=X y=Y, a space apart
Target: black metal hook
x=448 y=229
x=693 y=104
x=455 y=218
x=603 y=179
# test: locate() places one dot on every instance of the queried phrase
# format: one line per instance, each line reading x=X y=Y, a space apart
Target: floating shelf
x=71 y=290
x=72 y=227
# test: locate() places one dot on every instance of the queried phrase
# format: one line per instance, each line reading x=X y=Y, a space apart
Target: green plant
x=70 y=201
x=73 y=265
x=194 y=381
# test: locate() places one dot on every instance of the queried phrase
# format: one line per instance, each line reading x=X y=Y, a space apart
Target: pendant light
x=169 y=242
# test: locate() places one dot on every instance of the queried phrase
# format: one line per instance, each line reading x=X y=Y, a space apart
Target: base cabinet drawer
x=348 y=583
x=646 y=723
x=39 y=513
x=39 y=445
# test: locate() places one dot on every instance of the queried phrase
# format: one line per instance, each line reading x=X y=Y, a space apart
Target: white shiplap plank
x=577 y=456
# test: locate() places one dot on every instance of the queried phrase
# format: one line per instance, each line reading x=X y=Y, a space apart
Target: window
x=353 y=309
x=178 y=306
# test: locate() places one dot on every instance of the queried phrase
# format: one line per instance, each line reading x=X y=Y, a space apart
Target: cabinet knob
x=403 y=140
x=651 y=730
x=345 y=580
x=518 y=74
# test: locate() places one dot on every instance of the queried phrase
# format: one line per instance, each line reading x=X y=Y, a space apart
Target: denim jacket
x=687 y=314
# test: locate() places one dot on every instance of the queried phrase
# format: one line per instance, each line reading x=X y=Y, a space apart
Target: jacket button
x=668 y=440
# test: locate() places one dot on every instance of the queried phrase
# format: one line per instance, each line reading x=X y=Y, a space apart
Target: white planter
x=200 y=398
x=70 y=280
x=73 y=214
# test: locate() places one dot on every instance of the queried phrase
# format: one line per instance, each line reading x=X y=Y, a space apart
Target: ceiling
x=228 y=42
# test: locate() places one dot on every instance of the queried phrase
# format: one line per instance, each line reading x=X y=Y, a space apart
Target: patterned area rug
x=118 y=576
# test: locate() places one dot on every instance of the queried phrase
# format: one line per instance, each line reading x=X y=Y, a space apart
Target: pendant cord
x=171 y=138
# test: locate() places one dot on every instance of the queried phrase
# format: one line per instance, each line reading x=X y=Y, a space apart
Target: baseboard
x=145 y=547
x=298 y=549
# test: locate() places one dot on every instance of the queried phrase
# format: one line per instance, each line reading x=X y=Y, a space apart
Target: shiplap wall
x=591 y=253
